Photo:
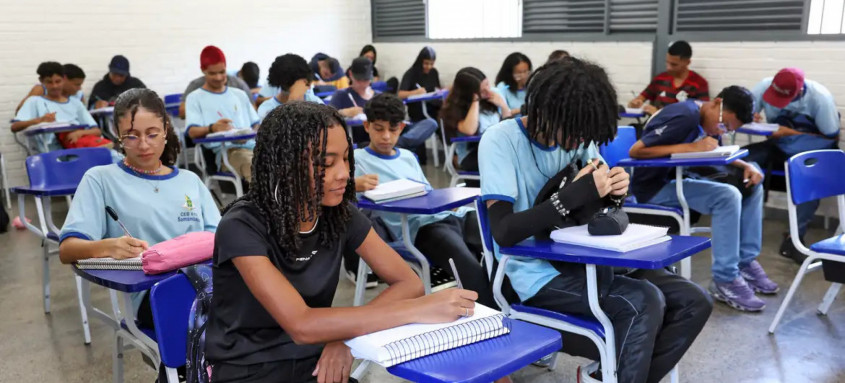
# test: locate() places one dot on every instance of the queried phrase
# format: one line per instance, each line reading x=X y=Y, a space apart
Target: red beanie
x=211 y=55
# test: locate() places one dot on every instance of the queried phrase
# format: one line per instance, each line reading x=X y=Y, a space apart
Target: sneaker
x=757 y=279
x=372 y=279
x=545 y=361
x=788 y=250
x=736 y=294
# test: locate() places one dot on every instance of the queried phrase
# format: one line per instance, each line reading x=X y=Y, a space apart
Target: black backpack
x=197 y=369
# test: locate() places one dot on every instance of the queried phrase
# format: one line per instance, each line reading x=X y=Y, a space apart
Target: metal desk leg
x=424 y=266
x=686 y=263
x=609 y=363
x=433 y=137
x=81 y=295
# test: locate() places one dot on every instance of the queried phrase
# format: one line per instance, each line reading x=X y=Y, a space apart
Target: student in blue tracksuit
x=808 y=120
x=291 y=77
x=511 y=80
x=657 y=315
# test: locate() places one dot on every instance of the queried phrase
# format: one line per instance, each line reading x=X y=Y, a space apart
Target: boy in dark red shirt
x=677 y=84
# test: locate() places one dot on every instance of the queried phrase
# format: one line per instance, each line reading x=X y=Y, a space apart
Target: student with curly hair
x=277 y=256
x=291 y=79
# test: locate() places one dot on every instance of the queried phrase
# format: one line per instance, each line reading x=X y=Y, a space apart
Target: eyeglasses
x=132 y=141
x=722 y=127
x=522 y=74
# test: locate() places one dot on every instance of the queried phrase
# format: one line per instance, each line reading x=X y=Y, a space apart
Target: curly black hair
x=385 y=107
x=290 y=147
x=739 y=100
x=505 y=74
x=133 y=99
x=288 y=69
x=571 y=100
x=48 y=69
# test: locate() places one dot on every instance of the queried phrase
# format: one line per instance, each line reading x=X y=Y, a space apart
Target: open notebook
x=635 y=237
x=231 y=133
x=426 y=95
x=395 y=190
x=634 y=110
x=721 y=151
x=44 y=125
x=760 y=128
x=404 y=343
x=110 y=264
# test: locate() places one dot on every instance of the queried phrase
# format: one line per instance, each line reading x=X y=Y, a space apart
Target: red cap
x=211 y=55
x=785 y=87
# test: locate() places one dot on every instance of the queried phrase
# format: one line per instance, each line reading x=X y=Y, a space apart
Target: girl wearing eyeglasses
x=511 y=80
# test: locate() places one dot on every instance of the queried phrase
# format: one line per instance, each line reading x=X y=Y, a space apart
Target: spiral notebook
x=401 y=344
x=636 y=236
x=231 y=133
x=396 y=190
x=109 y=264
x=720 y=151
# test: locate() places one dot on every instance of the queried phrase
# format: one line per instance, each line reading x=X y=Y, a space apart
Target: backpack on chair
x=197 y=369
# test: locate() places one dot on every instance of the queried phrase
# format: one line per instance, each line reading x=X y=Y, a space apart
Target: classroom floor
x=734 y=346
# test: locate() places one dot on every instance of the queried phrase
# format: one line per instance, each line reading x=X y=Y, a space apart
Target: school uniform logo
x=189 y=205
x=682 y=96
x=189 y=215
x=660 y=130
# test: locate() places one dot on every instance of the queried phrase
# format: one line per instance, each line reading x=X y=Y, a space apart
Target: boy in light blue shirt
x=289 y=79
x=215 y=107
x=449 y=234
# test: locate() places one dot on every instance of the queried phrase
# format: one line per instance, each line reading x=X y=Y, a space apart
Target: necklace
x=140 y=172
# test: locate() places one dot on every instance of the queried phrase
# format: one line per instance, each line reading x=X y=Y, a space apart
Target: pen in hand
x=113 y=215
x=455 y=273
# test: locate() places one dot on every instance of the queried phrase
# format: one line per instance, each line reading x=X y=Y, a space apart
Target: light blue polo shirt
x=485 y=120
x=402 y=165
x=72 y=111
x=182 y=205
x=513 y=99
x=273 y=102
x=514 y=169
x=203 y=108
x=816 y=103
x=78 y=95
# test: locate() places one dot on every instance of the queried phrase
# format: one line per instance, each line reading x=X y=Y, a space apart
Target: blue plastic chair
x=171 y=103
x=56 y=174
x=171 y=301
x=457 y=175
x=617 y=150
x=812 y=176
x=601 y=334
x=380 y=86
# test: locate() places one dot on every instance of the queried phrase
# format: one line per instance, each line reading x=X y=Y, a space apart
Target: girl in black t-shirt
x=421 y=78
x=277 y=255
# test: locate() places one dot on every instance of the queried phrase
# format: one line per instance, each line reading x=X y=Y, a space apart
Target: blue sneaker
x=757 y=279
x=736 y=294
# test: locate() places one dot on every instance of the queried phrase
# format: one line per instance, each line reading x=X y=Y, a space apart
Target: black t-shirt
x=430 y=82
x=240 y=330
x=105 y=90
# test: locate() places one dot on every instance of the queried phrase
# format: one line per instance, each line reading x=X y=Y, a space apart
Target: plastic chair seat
x=53 y=236
x=576 y=320
x=832 y=245
x=468 y=173
x=225 y=174
x=147 y=331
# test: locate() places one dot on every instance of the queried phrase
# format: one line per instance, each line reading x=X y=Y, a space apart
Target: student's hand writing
x=445 y=306
x=123 y=247
x=704 y=144
x=619 y=180
x=101 y=104
x=753 y=176
x=758 y=117
x=420 y=91
x=366 y=182
x=781 y=132
x=649 y=109
x=352 y=112
x=49 y=117
x=635 y=103
x=221 y=125
x=334 y=364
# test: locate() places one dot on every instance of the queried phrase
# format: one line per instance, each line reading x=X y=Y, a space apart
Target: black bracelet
x=618 y=199
x=555 y=198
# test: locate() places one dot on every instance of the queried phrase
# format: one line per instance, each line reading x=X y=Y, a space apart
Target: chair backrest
x=171 y=301
x=815 y=174
x=486 y=235
x=324 y=88
x=171 y=103
x=380 y=86
x=616 y=150
x=64 y=167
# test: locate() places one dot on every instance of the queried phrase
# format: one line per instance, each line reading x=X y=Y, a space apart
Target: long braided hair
x=571 y=100
x=290 y=147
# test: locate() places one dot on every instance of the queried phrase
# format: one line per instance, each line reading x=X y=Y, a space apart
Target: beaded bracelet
x=559 y=206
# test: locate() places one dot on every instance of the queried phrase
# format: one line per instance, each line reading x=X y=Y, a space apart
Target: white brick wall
x=162 y=40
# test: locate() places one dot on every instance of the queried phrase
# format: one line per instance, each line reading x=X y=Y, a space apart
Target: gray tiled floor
x=734 y=347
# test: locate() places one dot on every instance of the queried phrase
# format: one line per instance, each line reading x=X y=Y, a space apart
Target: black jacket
x=105 y=90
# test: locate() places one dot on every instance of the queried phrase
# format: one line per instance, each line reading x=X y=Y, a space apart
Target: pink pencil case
x=184 y=250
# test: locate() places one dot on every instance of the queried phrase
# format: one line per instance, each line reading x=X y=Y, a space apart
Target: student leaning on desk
x=677 y=84
x=277 y=257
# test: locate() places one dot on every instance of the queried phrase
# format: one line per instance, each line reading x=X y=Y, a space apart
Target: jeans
x=416 y=134
x=737 y=223
x=656 y=316
x=783 y=148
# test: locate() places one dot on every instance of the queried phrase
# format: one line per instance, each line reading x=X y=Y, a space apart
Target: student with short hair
x=55 y=106
x=450 y=234
x=74 y=76
x=470 y=109
x=421 y=78
x=657 y=315
x=217 y=107
x=327 y=70
x=559 y=54
x=677 y=84
x=369 y=52
x=117 y=81
x=350 y=101
x=277 y=256
x=511 y=80
x=232 y=81
x=808 y=120
x=250 y=74
x=736 y=207
x=291 y=77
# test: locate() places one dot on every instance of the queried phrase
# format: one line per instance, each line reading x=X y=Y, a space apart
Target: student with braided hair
x=571 y=108
x=277 y=256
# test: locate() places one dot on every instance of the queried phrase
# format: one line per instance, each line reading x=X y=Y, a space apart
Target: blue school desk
x=104 y=120
x=207 y=140
x=485 y=361
x=431 y=96
x=434 y=202
x=34 y=131
x=226 y=172
x=122 y=319
x=439 y=94
x=679 y=165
